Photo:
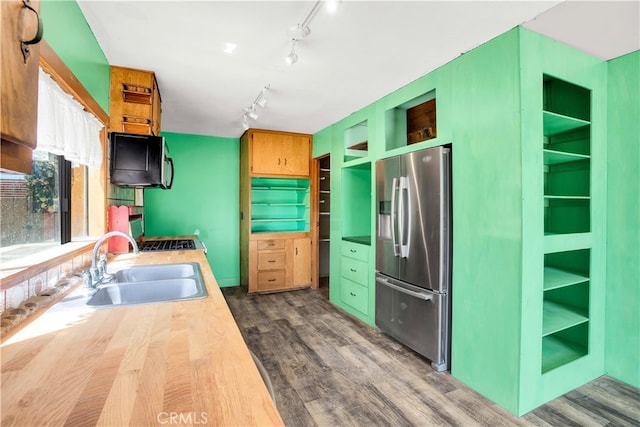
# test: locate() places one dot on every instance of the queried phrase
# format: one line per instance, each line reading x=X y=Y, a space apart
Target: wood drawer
x=354 y=250
x=355 y=295
x=355 y=270
x=273 y=279
x=271 y=260
x=265 y=245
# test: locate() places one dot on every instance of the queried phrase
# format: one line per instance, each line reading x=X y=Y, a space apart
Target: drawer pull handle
x=271 y=280
x=271 y=260
x=352 y=270
x=352 y=294
x=353 y=251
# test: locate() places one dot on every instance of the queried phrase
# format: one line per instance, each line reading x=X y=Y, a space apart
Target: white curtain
x=64 y=127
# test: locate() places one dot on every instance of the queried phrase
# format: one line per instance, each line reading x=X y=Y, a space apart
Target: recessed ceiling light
x=332 y=6
x=229 y=48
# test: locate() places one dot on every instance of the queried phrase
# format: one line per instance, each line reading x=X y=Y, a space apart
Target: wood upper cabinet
x=279 y=153
x=19 y=84
x=135 y=103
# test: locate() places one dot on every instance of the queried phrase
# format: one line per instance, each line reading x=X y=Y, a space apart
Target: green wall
x=67 y=32
x=487 y=224
x=622 y=356
x=204 y=196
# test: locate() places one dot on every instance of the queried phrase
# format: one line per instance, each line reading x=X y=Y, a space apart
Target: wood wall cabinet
x=19 y=85
x=278 y=153
x=275 y=211
x=135 y=101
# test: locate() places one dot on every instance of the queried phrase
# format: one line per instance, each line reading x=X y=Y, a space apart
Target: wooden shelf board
x=557 y=317
x=555 y=123
x=554 y=157
x=280 y=188
x=556 y=278
x=557 y=352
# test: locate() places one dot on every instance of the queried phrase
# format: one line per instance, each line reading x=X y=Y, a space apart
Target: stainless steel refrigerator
x=413 y=254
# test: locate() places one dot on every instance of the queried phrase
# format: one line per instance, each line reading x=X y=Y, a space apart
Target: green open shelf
x=554 y=157
x=556 y=317
x=555 y=278
x=555 y=123
x=557 y=352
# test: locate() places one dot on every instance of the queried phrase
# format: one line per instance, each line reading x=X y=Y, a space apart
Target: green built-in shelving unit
x=567 y=207
x=279 y=205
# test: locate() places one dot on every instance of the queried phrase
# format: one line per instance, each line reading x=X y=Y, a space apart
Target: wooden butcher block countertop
x=175 y=363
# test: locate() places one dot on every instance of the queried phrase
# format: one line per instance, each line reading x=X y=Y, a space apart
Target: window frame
x=53 y=65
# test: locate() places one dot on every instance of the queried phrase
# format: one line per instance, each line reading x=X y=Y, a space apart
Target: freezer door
x=423 y=218
x=416 y=317
x=387 y=247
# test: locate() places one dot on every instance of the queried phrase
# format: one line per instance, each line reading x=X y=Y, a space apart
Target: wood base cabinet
x=279 y=262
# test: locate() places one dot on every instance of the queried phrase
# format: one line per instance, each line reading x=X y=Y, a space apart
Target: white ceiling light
x=332 y=6
x=229 y=48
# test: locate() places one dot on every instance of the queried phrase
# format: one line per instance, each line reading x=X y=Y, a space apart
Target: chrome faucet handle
x=102 y=265
x=87 y=280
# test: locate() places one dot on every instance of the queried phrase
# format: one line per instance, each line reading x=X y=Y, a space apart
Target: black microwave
x=140 y=161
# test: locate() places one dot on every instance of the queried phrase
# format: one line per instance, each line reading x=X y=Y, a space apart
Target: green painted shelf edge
x=549 y=197
x=280 y=188
x=280 y=204
x=557 y=352
x=566 y=242
x=555 y=278
x=555 y=123
x=557 y=317
x=554 y=157
x=278 y=219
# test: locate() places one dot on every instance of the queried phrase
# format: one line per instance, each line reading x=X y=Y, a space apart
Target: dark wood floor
x=330 y=369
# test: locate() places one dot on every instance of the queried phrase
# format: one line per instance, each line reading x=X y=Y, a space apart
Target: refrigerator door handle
x=394 y=217
x=419 y=295
x=406 y=210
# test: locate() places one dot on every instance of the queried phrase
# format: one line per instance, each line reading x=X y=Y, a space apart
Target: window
x=44 y=209
x=50 y=206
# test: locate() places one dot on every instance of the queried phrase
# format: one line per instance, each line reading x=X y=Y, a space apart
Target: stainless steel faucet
x=98 y=269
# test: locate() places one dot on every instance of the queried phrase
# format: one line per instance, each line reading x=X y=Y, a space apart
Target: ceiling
x=351 y=58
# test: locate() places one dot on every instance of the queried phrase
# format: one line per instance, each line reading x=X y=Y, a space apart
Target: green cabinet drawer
x=354 y=250
x=355 y=295
x=355 y=270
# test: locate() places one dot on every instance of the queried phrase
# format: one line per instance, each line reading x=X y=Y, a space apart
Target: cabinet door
x=296 y=152
x=131 y=107
x=19 y=86
x=266 y=153
x=156 y=108
x=301 y=262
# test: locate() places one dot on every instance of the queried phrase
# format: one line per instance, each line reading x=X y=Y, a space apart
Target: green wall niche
x=67 y=32
x=204 y=196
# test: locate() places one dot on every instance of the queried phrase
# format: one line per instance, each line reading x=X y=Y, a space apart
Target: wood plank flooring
x=330 y=369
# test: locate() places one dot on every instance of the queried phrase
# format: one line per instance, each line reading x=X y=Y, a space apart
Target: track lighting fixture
x=250 y=111
x=292 y=58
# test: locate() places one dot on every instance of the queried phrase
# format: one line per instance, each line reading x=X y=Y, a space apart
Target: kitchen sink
x=145 y=273
x=151 y=283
